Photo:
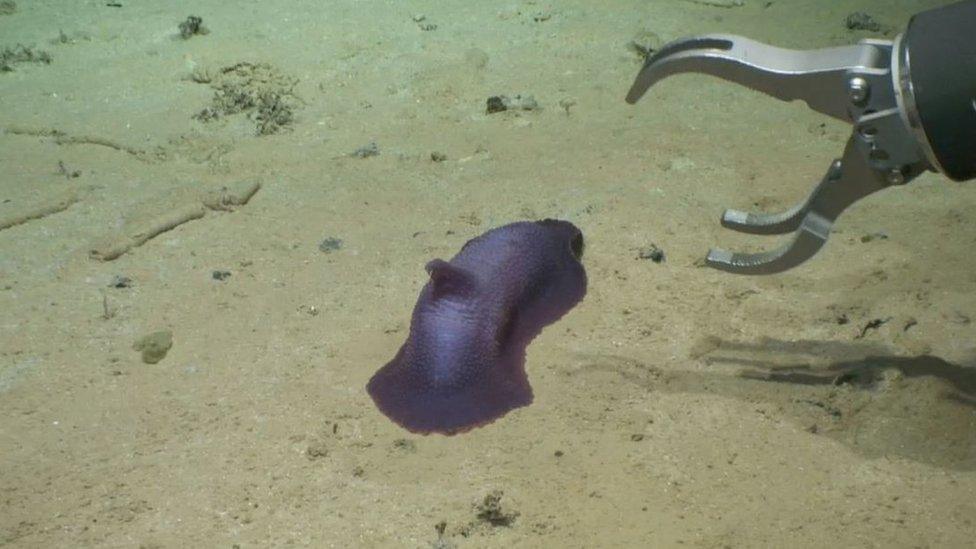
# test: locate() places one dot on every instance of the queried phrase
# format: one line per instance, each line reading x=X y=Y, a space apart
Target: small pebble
x=119 y=281
x=192 y=27
x=500 y=103
x=645 y=43
x=861 y=21
x=567 y=103
x=330 y=244
x=154 y=346
x=367 y=150
x=880 y=235
x=316 y=450
x=653 y=253
x=405 y=445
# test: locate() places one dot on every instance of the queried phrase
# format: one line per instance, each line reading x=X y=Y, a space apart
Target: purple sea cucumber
x=463 y=363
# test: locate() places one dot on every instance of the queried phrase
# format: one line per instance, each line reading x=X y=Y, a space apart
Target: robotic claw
x=912 y=102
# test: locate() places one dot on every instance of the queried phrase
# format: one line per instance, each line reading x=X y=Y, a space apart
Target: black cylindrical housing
x=941 y=47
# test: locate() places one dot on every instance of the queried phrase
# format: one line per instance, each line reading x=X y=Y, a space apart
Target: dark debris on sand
x=860 y=21
x=489 y=515
x=257 y=90
x=490 y=510
x=193 y=26
x=22 y=54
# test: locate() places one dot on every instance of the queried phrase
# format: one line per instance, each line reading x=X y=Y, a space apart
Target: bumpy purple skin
x=463 y=364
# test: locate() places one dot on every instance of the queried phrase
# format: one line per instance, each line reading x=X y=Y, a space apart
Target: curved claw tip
x=687 y=47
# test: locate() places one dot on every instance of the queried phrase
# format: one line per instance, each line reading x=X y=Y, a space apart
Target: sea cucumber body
x=463 y=363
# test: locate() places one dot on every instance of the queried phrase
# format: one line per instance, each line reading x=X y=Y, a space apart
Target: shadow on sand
x=921 y=408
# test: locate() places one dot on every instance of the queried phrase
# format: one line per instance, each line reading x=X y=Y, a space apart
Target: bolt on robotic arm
x=912 y=102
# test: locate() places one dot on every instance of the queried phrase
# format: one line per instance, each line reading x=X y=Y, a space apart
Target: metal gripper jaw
x=857 y=84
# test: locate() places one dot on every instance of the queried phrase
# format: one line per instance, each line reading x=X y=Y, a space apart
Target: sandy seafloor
x=676 y=406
